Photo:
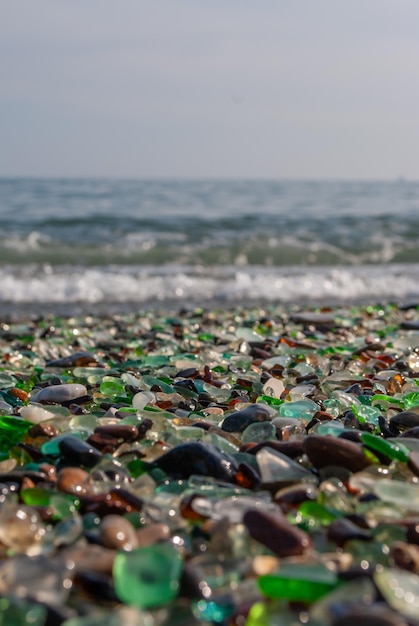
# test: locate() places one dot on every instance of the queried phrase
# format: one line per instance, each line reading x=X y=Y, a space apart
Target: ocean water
x=104 y=242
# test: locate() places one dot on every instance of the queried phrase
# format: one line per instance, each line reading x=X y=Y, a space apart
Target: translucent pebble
x=44 y=579
x=397 y=492
x=276 y=467
x=36 y=414
x=273 y=387
x=300 y=583
x=111 y=386
x=21 y=529
x=5 y=408
x=366 y=414
x=148 y=577
x=300 y=392
x=301 y=409
x=333 y=427
x=142 y=398
x=260 y=431
x=282 y=360
x=247 y=334
x=234 y=507
x=400 y=590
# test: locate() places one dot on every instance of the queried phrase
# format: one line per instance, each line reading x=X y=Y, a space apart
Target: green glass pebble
x=320 y=513
x=111 y=387
x=366 y=414
x=148 y=577
x=12 y=431
x=411 y=399
x=258 y=615
x=395 y=451
x=269 y=400
x=383 y=401
x=300 y=409
x=296 y=583
x=18 y=612
x=52 y=447
x=86 y=372
x=150 y=382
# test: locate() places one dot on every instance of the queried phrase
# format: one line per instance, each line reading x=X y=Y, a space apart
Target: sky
x=316 y=89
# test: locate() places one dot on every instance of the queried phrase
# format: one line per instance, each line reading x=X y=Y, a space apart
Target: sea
x=111 y=243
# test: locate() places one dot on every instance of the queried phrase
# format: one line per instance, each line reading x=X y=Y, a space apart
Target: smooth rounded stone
x=293 y=496
x=276 y=533
x=240 y=420
x=292 y=449
x=410 y=433
x=90 y=558
x=21 y=529
x=406 y=420
x=78 y=451
x=328 y=450
x=126 y=432
x=77 y=359
x=369 y=616
x=148 y=577
x=405 y=556
x=60 y=393
x=413 y=463
x=199 y=458
x=75 y=481
x=153 y=533
x=117 y=532
x=342 y=530
x=412 y=532
x=36 y=414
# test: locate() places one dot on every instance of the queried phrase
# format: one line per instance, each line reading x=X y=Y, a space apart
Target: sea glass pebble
x=148 y=577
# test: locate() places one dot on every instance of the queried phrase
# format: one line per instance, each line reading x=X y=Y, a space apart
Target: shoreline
x=234 y=464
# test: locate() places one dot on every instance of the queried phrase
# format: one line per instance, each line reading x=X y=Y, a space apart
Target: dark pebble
x=198 y=458
x=404 y=421
x=342 y=530
x=276 y=533
x=370 y=616
x=240 y=420
x=325 y=450
x=78 y=359
x=78 y=451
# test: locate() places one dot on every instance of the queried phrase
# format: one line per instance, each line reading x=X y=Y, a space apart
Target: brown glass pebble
x=276 y=533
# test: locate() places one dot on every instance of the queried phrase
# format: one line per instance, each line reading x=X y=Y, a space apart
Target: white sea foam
x=116 y=284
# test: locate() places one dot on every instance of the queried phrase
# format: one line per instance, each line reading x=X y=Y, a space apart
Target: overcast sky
x=209 y=89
